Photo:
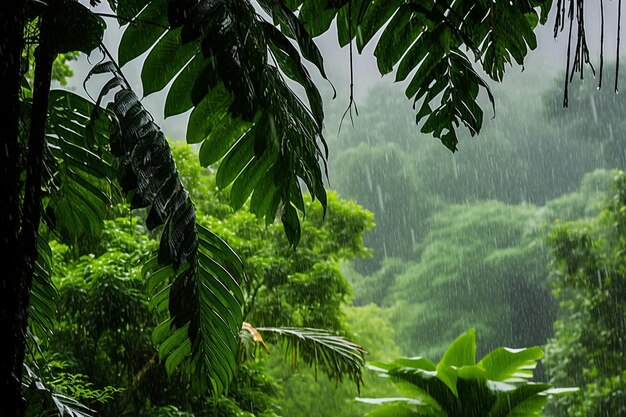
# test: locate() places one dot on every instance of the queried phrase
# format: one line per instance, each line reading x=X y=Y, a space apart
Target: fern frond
x=194 y=278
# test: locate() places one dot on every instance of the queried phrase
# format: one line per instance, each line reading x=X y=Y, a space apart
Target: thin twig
x=132 y=20
x=117 y=67
x=619 y=25
x=351 y=102
x=601 y=42
x=569 y=47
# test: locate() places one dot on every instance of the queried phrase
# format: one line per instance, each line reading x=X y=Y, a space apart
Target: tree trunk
x=31 y=211
x=19 y=232
x=11 y=44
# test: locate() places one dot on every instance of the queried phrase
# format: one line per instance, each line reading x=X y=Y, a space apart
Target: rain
x=189 y=248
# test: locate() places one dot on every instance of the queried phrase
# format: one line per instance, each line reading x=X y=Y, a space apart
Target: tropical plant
x=245 y=114
x=499 y=385
x=204 y=274
x=105 y=326
x=61 y=393
x=369 y=326
x=106 y=320
x=435 y=43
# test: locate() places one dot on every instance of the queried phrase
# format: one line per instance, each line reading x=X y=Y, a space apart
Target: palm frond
x=337 y=356
x=195 y=275
x=435 y=46
x=228 y=64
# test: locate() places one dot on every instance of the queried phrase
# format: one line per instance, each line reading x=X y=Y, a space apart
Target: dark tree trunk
x=31 y=211
x=19 y=230
x=11 y=44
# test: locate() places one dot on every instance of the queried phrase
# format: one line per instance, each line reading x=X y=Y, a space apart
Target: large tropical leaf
x=511 y=365
x=228 y=64
x=436 y=44
x=79 y=169
x=194 y=277
x=206 y=306
x=77 y=191
x=497 y=386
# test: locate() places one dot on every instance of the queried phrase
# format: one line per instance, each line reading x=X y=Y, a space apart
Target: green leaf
x=523 y=400
x=206 y=314
x=291 y=224
x=236 y=159
x=293 y=27
x=179 y=95
x=221 y=139
x=395 y=40
x=376 y=15
x=139 y=37
x=237 y=82
x=426 y=37
x=511 y=365
x=83 y=187
x=196 y=276
x=166 y=60
x=418 y=362
x=208 y=115
x=462 y=352
x=430 y=383
x=44 y=399
x=265 y=198
x=127 y=9
x=43 y=296
x=249 y=178
x=458 y=387
x=289 y=62
x=316 y=18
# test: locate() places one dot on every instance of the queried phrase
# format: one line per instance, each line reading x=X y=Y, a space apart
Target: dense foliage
x=466 y=244
x=588 y=276
x=179 y=310
x=106 y=321
x=533 y=152
x=227 y=63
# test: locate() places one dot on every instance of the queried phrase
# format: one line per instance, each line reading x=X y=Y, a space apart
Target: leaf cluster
x=437 y=44
x=498 y=385
x=244 y=113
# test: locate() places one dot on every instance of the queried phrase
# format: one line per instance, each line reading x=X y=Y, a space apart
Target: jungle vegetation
x=83 y=177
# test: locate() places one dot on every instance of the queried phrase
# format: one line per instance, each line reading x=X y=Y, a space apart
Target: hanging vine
x=575 y=14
